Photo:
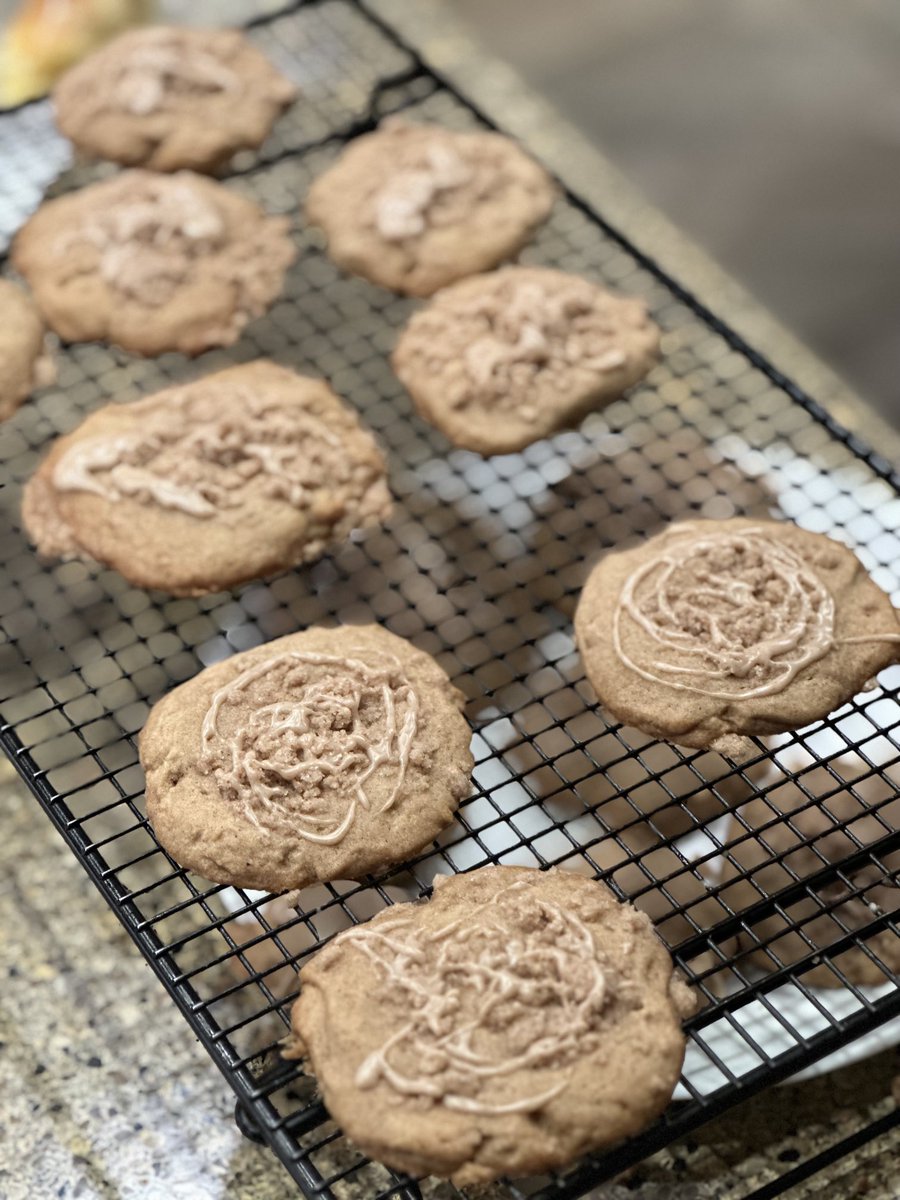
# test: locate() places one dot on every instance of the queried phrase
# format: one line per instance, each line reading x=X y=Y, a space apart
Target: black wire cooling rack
x=480 y=565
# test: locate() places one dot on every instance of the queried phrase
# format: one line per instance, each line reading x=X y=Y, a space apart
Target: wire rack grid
x=481 y=565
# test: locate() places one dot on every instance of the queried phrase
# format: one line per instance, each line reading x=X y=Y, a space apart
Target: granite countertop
x=105 y=1093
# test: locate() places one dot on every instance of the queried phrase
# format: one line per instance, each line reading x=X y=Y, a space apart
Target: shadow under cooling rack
x=480 y=565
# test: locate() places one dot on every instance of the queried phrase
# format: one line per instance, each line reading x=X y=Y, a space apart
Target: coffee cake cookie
x=501 y=360
x=153 y=262
x=25 y=361
x=167 y=97
x=714 y=630
x=205 y=485
x=324 y=755
x=797 y=830
x=415 y=207
x=516 y=1020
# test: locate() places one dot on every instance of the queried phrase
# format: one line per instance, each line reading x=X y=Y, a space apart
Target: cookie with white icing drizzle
x=501 y=360
x=415 y=207
x=516 y=1020
x=327 y=754
x=167 y=97
x=153 y=262
x=715 y=630
x=205 y=485
x=25 y=361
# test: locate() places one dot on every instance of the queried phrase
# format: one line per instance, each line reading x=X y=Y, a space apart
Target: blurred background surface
x=768 y=129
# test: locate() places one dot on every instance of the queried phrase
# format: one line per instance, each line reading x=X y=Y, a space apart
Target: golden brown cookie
x=153 y=262
x=792 y=838
x=167 y=97
x=207 y=484
x=516 y=1020
x=327 y=754
x=499 y=361
x=415 y=207
x=713 y=630
x=25 y=361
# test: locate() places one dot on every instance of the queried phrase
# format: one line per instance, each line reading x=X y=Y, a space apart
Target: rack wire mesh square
x=481 y=565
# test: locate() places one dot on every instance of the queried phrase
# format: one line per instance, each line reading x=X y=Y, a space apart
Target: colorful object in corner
x=45 y=37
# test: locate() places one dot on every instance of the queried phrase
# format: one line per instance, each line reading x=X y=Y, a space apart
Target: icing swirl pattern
x=190 y=457
x=539 y=327
x=728 y=614
x=162 y=66
x=147 y=237
x=514 y=985
x=305 y=741
x=402 y=204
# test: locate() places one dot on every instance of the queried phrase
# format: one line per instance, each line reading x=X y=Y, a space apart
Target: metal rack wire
x=481 y=566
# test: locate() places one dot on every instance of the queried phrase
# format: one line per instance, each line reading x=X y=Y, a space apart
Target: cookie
x=499 y=361
x=153 y=262
x=165 y=97
x=715 y=630
x=778 y=853
x=516 y=1020
x=327 y=754
x=205 y=485
x=25 y=361
x=415 y=207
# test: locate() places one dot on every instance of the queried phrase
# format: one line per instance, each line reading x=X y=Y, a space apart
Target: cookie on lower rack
x=153 y=262
x=715 y=630
x=415 y=207
x=797 y=829
x=205 y=485
x=499 y=361
x=25 y=361
x=327 y=754
x=167 y=97
x=516 y=1020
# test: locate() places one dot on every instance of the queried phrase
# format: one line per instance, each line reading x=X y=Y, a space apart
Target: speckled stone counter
x=103 y=1091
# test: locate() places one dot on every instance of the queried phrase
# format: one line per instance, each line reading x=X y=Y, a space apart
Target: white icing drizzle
x=868 y=637
x=160 y=66
x=401 y=205
x=301 y=763
x=163 y=462
x=536 y=325
x=742 y=610
x=517 y=971
x=520 y=342
x=147 y=237
x=484 y=356
x=78 y=471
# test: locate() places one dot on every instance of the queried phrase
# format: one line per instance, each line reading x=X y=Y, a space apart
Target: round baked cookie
x=202 y=486
x=166 y=97
x=25 y=361
x=714 y=630
x=501 y=360
x=153 y=262
x=323 y=755
x=415 y=207
x=516 y=1020
x=796 y=839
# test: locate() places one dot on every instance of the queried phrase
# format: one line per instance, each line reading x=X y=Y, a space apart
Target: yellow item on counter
x=45 y=37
